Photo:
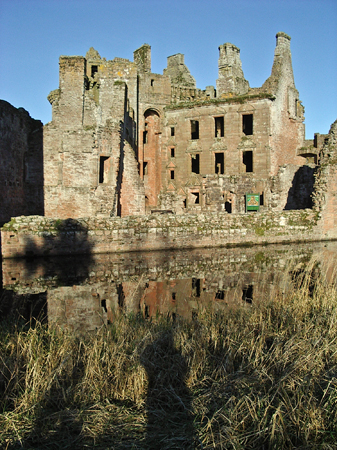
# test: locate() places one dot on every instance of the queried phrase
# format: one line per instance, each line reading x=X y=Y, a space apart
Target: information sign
x=252 y=202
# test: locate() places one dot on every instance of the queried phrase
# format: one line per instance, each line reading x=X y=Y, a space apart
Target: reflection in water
x=87 y=292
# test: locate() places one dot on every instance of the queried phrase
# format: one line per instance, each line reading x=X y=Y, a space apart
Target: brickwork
x=21 y=168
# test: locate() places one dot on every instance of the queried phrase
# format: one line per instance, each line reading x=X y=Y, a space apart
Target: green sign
x=252 y=202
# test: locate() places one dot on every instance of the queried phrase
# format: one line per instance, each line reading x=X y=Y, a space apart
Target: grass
x=252 y=378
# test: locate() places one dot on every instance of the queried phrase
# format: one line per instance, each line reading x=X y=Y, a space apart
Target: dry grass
x=253 y=378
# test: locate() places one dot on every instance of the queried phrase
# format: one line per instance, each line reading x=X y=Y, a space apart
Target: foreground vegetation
x=262 y=377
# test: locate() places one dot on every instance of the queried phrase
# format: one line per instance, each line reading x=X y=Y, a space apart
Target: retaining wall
x=36 y=235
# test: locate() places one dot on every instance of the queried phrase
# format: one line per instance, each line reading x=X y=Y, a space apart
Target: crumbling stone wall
x=325 y=188
x=21 y=168
x=42 y=236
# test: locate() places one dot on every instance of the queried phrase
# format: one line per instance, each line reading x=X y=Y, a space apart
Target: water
x=87 y=292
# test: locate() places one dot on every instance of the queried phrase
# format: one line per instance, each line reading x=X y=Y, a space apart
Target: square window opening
x=247 y=124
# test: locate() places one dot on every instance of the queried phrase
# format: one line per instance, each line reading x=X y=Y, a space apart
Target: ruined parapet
x=231 y=78
x=178 y=72
x=142 y=58
x=68 y=100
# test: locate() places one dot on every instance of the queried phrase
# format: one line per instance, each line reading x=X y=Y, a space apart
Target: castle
x=125 y=141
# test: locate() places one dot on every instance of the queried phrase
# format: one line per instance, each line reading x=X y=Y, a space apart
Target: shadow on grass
x=169 y=402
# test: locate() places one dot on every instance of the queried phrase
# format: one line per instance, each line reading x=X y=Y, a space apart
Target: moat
x=87 y=292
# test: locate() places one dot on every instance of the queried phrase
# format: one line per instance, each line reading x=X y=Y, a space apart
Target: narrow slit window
x=152 y=82
x=145 y=137
x=103 y=169
x=172 y=131
x=172 y=152
x=247 y=159
x=172 y=174
x=247 y=124
x=94 y=69
x=219 y=163
x=194 y=129
x=219 y=127
x=195 y=163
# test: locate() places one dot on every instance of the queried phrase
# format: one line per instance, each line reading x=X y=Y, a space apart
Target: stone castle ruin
x=124 y=141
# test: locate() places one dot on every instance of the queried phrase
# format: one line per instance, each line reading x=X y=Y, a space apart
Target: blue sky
x=34 y=33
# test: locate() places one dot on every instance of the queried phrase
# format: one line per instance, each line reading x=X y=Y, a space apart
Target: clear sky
x=34 y=33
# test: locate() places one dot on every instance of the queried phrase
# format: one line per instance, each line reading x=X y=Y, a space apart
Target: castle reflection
x=85 y=293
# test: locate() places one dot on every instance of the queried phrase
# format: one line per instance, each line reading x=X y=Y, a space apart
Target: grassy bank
x=262 y=377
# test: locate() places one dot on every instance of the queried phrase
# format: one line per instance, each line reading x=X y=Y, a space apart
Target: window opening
x=196 y=287
x=197 y=198
x=194 y=129
x=184 y=202
x=173 y=295
x=172 y=131
x=145 y=169
x=247 y=293
x=172 y=152
x=103 y=169
x=195 y=166
x=94 y=69
x=219 y=127
x=220 y=295
x=247 y=159
x=152 y=82
x=247 y=124
x=219 y=163
x=121 y=295
x=261 y=199
x=228 y=207
x=145 y=137
x=103 y=304
x=172 y=174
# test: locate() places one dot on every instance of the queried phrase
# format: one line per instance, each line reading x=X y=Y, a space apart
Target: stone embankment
x=36 y=235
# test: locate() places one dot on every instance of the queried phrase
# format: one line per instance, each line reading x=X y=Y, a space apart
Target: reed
x=262 y=377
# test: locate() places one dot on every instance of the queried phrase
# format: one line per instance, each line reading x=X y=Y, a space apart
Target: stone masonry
x=126 y=141
x=21 y=168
